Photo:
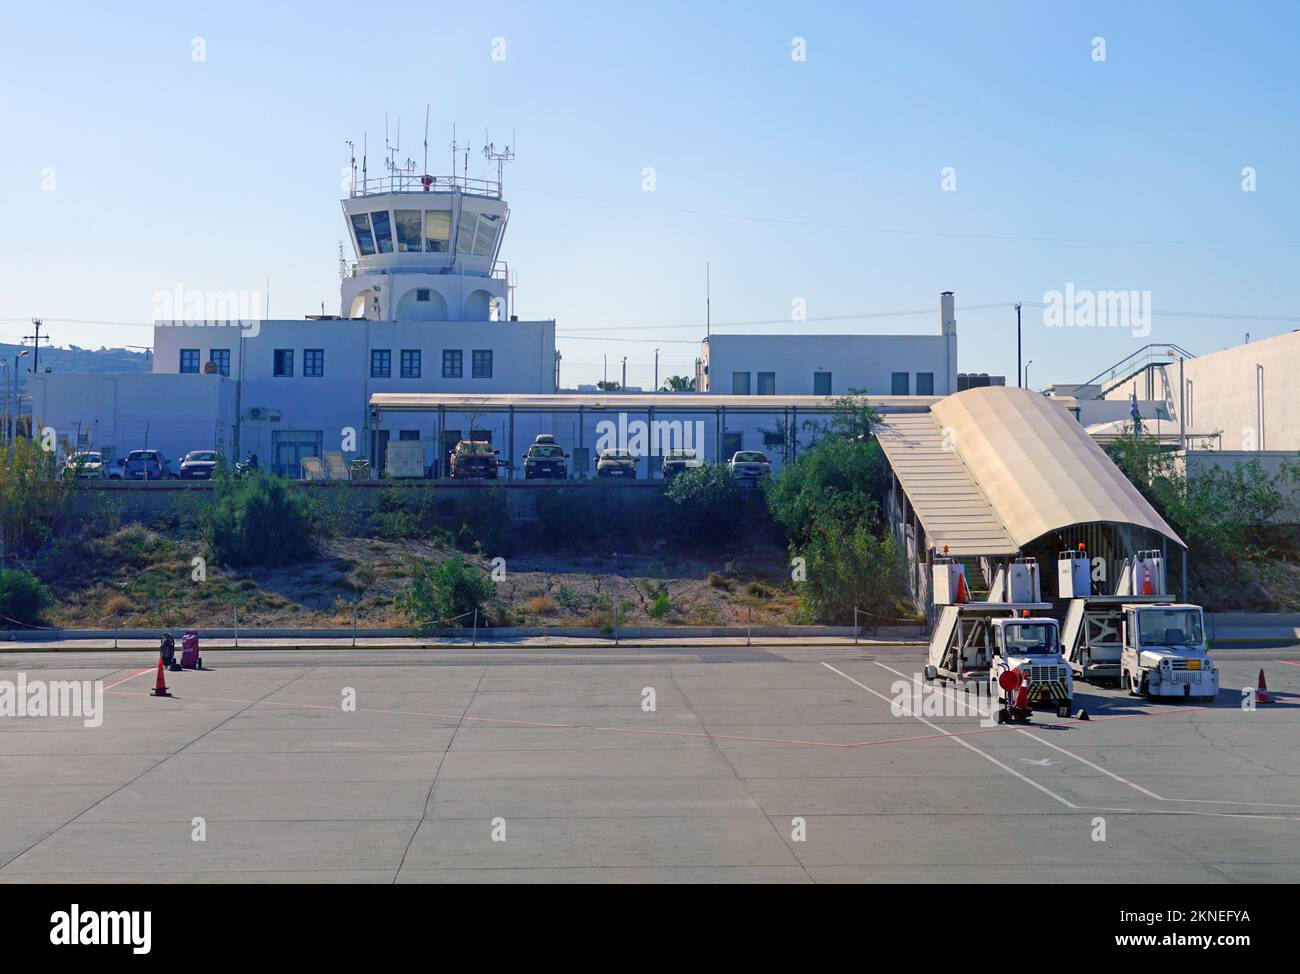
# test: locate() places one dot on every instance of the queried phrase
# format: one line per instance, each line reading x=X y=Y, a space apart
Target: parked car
x=748 y=467
x=616 y=463
x=147 y=465
x=117 y=470
x=473 y=459
x=675 y=461
x=545 y=460
x=199 y=465
x=86 y=465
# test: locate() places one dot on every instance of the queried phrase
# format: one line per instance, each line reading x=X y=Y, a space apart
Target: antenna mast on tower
x=506 y=154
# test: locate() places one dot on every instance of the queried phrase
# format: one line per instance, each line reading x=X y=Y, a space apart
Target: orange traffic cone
x=962 y=594
x=1146 y=581
x=1261 y=695
x=160 y=687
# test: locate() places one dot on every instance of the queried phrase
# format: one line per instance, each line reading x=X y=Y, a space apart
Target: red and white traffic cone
x=160 y=686
x=1261 y=695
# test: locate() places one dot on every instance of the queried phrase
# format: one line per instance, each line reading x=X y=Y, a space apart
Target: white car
x=749 y=467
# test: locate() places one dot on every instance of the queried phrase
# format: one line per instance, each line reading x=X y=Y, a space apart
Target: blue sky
x=818 y=180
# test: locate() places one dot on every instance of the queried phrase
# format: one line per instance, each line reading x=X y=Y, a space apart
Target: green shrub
x=34 y=502
x=258 y=519
x=703 y=505
x=23 y=597
x=445 y=594
x=837 y=481
x=850 y=566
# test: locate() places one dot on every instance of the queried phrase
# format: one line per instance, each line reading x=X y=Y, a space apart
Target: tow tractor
x=999 y=640
x=1165 y=652
x=1092 y=637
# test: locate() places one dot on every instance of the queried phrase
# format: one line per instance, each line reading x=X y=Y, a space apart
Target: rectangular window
x=407 y=223
x=365 y=239
x=407 y=436
x=452 y=363
x=422 y=294
x=821 y=383
x=313 y=362
x=381 y=363
x=283 y=366
x=899 y=384
x=437 y=231
x=465 y=232
x=925 y=383
x=189 y=359
x=488 y=225
x=410 y=363
x=767 y=383
x=740 y=383
x=383 y=231
x=220 y=357
x=482 y=363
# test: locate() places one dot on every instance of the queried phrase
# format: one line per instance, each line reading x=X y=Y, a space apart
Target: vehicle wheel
x=1132 y=683
x=1144 y=688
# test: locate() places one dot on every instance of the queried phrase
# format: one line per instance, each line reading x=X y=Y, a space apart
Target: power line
x=901 y=231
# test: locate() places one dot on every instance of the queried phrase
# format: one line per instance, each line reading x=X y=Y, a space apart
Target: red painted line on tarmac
x=613 y=730
x=147 y=669
x=1290 y=662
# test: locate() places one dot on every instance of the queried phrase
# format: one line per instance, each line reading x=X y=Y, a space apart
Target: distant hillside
x=76 y=359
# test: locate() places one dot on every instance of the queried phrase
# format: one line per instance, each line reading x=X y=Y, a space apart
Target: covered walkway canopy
x=991 y=470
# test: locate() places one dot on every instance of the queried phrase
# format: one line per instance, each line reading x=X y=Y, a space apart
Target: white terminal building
x=426 y=321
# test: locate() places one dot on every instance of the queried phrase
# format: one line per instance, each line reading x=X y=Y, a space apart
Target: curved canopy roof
x=1038 y=468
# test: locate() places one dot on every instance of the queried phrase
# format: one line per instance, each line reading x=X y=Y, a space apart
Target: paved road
x=767 y=763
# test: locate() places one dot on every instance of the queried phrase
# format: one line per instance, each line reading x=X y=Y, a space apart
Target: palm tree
x=678 y=383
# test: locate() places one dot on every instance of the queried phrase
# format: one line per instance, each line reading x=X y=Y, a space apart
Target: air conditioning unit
x=257 y=414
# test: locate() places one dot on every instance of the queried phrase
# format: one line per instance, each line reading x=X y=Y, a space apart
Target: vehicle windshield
x=550 y=452
x=201 y=456
x=616 y=455
x=1030 y=638
x=1169 y=627
x=481 y=448
x=681 y=454
x=749 y=457
x=84 y=458
x=142 y=455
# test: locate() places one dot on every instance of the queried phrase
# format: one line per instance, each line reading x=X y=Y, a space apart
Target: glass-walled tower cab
x=426 y=250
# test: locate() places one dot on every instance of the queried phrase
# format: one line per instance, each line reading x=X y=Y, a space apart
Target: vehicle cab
x=1165 y=652
x=1033 y=647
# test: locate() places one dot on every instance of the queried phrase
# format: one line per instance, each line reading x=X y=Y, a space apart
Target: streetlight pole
x=1018 y=370
x=1027 y=365
x=13 y=418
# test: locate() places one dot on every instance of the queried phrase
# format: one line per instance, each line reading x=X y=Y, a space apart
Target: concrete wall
x=119 y=412
x=1245 y=393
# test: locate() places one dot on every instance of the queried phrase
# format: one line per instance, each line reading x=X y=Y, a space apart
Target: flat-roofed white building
x=831 y=365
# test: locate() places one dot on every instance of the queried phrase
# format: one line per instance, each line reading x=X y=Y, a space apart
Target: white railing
x=405 y=182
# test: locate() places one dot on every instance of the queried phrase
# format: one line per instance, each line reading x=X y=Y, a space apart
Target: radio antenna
x=500 y=157
x=426 y=138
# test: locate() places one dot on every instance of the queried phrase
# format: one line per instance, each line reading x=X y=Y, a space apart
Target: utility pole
x=36 y=344
x=1019 y=373
x=624 y=387
x=656 y=388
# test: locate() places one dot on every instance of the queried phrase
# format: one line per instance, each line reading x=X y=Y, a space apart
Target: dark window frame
x=381 y=363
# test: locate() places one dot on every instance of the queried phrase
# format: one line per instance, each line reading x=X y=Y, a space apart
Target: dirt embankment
x=143 y=577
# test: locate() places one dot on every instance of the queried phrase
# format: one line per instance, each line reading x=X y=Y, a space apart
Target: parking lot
x=756 y=764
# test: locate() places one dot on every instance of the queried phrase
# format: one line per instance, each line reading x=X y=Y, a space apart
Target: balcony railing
x=405 y=182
